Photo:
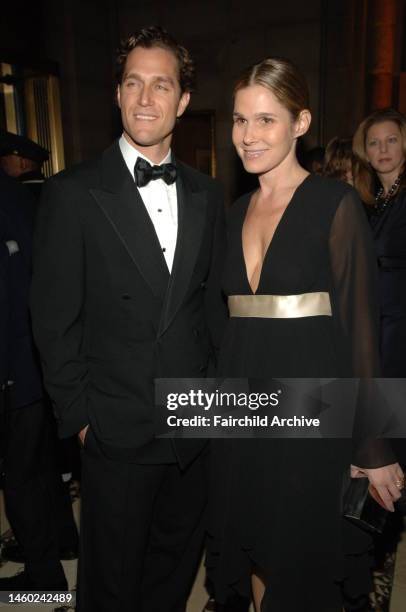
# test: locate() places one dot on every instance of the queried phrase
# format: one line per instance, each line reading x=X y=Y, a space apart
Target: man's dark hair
x=155 y=36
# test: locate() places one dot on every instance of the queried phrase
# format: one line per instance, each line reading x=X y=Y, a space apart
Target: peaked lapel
x=192 y=205
x=121 y=203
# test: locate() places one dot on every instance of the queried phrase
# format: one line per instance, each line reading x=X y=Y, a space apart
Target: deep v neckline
x=281 y=221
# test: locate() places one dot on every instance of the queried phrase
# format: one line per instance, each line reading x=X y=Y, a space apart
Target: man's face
x=12 y=165
x=150 y=100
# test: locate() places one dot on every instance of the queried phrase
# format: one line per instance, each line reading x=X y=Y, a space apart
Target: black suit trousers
x=37 y=504
x=142 y=529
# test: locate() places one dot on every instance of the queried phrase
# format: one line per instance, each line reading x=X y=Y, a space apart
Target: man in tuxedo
x=125 y=290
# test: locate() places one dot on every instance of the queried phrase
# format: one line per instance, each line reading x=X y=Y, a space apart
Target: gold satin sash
x=280 y=306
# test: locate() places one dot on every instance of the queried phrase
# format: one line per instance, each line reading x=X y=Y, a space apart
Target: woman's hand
x=388 y=481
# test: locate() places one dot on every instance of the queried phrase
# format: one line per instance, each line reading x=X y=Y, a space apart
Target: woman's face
x=384 y=148
x=264 y=133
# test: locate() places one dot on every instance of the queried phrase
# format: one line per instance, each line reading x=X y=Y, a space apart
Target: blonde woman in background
x=380 y=147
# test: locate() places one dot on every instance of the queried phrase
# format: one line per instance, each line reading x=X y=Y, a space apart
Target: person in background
x=22 y=159
x=31 y=478
x=380 y=147
x=339 y=160
x=4 y=322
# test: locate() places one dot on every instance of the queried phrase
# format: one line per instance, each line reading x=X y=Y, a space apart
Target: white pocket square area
x=12 y=246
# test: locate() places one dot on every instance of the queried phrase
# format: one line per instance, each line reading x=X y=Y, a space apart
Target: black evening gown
x=276 y=504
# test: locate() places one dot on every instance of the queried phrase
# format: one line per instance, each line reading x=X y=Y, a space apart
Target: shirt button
x=159 y=209
x=163 y=250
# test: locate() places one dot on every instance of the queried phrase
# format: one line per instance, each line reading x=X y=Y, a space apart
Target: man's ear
x=183 y=102
x=303 y=122
x=118 y=96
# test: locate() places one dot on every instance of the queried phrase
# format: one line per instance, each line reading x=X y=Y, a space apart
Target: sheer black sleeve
x=355 y=309
x=354 y=274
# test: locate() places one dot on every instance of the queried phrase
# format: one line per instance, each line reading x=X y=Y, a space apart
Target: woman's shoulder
x=329 y=187
x=323 y=193
x=325 y=199
x=313 y=184
x=401 y=196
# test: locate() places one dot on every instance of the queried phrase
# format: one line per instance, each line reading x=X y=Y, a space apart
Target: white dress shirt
x=159 y=199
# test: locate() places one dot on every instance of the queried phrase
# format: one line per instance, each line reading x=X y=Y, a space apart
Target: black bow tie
x=144 y=172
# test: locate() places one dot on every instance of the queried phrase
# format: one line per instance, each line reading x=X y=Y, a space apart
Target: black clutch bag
x=400 y=505
x=363 y=505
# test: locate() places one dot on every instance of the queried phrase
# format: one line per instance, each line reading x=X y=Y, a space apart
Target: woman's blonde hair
x=365 y=177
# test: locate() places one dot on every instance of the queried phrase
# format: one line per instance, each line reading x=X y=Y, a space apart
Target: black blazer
x=389 y=232
x=108 y=318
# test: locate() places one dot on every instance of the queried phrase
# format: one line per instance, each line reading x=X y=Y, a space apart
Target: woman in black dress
x=380 y=146
x=380 y=143
x=299 y=276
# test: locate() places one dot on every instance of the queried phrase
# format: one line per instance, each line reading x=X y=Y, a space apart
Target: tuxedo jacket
x=108 y=317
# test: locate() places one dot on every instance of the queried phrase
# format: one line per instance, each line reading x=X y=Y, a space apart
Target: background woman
x=380 y=146
x=276 y=503
x=339 y=160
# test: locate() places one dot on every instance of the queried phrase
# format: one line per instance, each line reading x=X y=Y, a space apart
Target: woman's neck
x=284 y=176
x=387 y=180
